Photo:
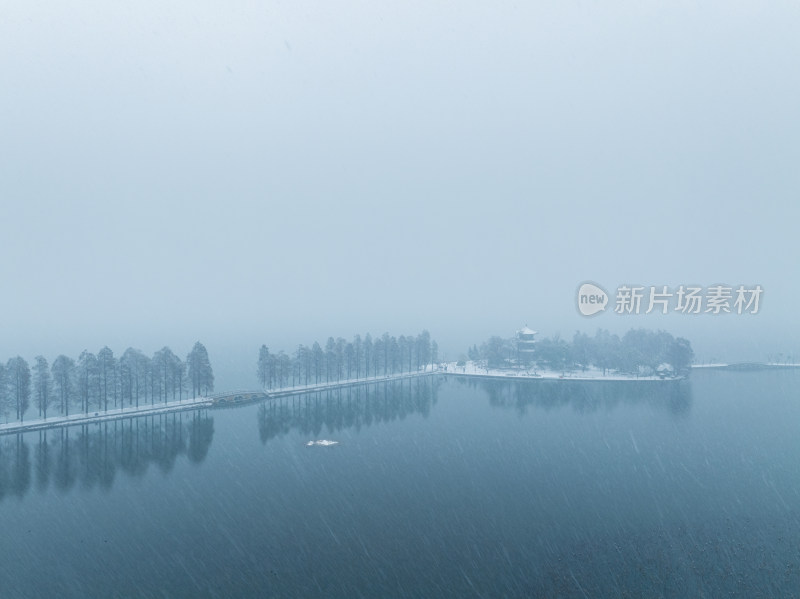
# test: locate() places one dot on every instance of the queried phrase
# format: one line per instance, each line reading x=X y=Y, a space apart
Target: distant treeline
x=639 y=351
x=95 y=382
x=341 y=359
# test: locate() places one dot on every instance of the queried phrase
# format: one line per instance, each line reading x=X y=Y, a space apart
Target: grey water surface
x=436 y=487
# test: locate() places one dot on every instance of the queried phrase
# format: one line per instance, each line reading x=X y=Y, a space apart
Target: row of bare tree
x=343 y=360
x=96 y=382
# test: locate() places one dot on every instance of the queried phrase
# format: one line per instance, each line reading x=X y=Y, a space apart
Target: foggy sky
x=261 y=172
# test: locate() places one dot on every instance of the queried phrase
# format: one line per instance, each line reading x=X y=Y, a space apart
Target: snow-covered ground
x=590 y=374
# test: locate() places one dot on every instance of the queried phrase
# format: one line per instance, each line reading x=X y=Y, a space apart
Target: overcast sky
x=245 y=172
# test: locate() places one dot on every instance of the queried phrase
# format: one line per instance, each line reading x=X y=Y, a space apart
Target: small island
x=640 y=354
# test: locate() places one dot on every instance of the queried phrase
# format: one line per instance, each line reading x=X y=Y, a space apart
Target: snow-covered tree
x=167 y=372
x=19 y=384
x=178 y=377
x=349 y=355
x=107 y=373
x=129 y=379
x=367 y=353
x=42 y=385
x=63 y=372
x=340 y=350
x=201 y=375
x=263 y=366
x=317 y=360
x=330 y=359
x=358 y=350
x=87 y=379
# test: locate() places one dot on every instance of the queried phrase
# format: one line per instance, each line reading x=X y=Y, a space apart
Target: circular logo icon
x=592 y=299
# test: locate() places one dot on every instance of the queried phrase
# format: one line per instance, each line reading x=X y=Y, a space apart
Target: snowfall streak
x=227 y=398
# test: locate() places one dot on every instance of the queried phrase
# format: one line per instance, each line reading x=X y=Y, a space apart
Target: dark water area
x=437 y=487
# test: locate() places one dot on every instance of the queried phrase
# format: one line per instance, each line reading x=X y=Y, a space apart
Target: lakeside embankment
x=223 y=399
x=588 y=374
x=597 y=374
x=471 y=369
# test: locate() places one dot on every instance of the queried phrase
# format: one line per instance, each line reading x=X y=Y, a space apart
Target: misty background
x=263 y=172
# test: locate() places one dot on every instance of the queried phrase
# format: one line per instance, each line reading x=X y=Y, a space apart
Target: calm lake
x=437 y=487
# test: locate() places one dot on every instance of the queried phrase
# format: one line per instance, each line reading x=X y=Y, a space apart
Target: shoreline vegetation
x=344 y=360
x=469 y=369
x=228 y=398
x=102 y=388
x=95 y=383
x=640 y=353
x=477 y=369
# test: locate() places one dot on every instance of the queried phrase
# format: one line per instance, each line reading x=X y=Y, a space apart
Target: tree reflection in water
x=349 y=407
x=92 y=454
x=674 y=396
